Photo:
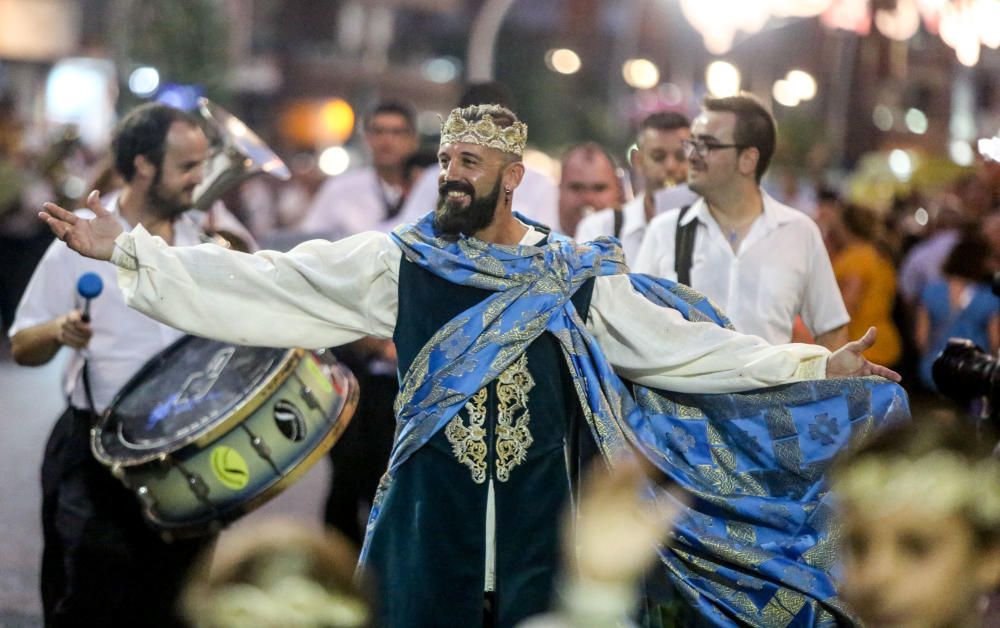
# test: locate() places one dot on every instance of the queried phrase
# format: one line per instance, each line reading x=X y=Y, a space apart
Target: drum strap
x=684 y=237
x=85 y=376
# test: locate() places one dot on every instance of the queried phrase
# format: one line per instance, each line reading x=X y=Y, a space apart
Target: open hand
x=94 y=237
x=847 y=361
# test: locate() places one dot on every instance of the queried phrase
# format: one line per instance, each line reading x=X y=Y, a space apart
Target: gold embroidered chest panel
x=512 y=436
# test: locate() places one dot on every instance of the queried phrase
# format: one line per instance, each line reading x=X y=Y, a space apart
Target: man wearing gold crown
x=522 y=352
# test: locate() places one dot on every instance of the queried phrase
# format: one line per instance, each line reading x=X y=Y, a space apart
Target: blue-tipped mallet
x=88 y=286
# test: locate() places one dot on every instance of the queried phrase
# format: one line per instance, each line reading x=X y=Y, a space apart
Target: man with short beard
x=512 y=343
x=451 y=218
x=658 y=159
x=101 y=564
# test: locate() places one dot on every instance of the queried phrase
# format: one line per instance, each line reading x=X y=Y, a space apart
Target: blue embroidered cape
x=756 y=545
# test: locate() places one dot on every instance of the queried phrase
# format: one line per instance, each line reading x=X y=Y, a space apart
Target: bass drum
x=208 y=431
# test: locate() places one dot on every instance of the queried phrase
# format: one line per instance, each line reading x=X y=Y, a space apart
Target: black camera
x=965 y=372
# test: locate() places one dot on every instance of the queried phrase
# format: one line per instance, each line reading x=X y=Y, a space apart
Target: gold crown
x=484 y=132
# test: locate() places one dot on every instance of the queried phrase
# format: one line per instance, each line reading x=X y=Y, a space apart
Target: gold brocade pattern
x=469 y=442
x=748 y=555
x=783 y=607
x=743 y=532
x=513 y=438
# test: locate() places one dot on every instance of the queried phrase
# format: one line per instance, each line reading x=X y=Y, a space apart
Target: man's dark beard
x=161 y=204
x=468 y=220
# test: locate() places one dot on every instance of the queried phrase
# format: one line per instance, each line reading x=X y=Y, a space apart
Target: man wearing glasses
x=368 y=198
x=659 y=159
x=762 y=262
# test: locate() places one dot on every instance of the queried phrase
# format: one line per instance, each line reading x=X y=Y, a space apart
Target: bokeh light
x=334 y=160
x=641 y=73
x=803 y=84
x=563 y=61
x=882 y=118
x=722 y=79
x=916 y=121
x=901 y=164
x=144 y=81
x=784 y=93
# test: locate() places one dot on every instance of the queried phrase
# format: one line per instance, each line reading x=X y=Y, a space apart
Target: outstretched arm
x=320 y=294
x=655 y=346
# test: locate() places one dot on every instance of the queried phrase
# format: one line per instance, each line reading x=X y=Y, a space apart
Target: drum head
x=179 y=395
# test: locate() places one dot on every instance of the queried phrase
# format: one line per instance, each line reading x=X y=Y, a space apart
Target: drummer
x=101 y=564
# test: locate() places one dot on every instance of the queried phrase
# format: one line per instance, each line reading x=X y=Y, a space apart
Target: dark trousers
x=101 y=564
x=361 y=455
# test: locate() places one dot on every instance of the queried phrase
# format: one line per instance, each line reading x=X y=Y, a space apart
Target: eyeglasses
x=704 y=147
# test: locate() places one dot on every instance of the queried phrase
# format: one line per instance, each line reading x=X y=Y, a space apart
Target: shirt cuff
x=811 y=368
x=124 y=256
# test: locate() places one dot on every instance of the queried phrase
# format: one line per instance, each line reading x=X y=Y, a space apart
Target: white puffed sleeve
x=319 y=294
x=656 y=346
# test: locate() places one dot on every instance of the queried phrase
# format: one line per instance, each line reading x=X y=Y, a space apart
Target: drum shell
x=223 y=474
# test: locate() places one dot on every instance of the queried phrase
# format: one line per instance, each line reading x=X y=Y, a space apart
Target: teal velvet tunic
x=517 y=435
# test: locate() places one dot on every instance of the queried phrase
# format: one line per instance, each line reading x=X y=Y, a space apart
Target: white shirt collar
x=532 y=236
x=774 y=215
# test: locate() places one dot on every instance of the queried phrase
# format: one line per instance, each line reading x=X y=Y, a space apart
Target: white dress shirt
x=602 y=223
x=780 y=270
x=537 y=198
x=350 y=203
x=123 y=338
x=324 y=294
x=634 y=221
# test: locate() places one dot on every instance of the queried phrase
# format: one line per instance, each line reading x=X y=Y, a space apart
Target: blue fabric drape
x=755 y=543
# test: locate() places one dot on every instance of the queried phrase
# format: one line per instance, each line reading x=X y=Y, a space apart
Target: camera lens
x=964 y=371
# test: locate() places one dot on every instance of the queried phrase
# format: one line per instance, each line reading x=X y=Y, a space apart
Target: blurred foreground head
x=277 y=573
x=921 y=516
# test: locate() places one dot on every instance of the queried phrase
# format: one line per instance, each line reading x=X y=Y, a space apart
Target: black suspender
x=684 y=247
x=619 y=220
